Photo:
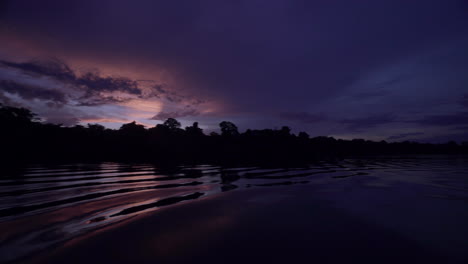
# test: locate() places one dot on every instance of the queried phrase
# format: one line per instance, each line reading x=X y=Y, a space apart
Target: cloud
x=404 y=135
x=460 y=118
x=176 y=114
x=315 y=49
x=160 y=91
x=395 y=80
x=7 y=101
x=102 y=100
x=30 y=92
x=303 y=117
x=52 y=68
x=370 y=94
x=45 y=85
x=370 y=121
x=91 y=82
x=465 y=128
x=464 y=101
x=290 y=57
x=95 y=83
x=98 y=119
x=93 y=88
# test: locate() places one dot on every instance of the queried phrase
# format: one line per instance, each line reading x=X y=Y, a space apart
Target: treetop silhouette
x=24 y=139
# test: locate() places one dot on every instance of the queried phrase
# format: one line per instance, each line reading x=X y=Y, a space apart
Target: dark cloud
x=7 y=101
x=95 y=84
x=92 y=84
x=51 y=68
x=464 y=101
x=404 y=135
x=252 y=57
x=160 y=91
x=460 y=118
x=303 y=117
x=371 y=94
x=243 y=51
x=102 y=100
x=464 y=128
x=175 y=114
x=370 y=121
x=395 y=80
x=30 y=92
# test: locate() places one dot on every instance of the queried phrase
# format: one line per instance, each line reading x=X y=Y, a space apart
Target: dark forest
x=26 y=139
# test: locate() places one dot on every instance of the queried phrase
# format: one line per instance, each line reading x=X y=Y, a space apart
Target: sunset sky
x=382 y=70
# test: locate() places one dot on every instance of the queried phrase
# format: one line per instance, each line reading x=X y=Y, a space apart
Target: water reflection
x=43 y=206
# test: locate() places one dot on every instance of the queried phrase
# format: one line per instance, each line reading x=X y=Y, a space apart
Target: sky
x=389 y=70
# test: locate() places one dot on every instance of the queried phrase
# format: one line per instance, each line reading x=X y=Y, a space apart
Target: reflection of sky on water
x=423 y=199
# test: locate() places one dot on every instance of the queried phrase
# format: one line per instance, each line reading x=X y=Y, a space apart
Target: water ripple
x=64 y=201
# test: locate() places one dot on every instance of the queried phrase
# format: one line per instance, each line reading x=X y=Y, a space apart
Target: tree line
x=24 y=138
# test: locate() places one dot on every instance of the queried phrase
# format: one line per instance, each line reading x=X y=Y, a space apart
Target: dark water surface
x=416 y=206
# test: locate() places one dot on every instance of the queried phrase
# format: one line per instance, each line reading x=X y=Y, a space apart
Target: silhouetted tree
x=132 y=129
x=303 y=135
x=24 y=139
x=228 y=129
x=96 y=127
x=285 y=131
x=194 y=130
x=16 y=116
x=172 y=124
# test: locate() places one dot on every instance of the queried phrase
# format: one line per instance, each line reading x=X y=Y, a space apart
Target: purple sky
x=382 y=70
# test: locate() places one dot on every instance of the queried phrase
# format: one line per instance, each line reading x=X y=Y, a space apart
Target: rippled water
x=46 y=206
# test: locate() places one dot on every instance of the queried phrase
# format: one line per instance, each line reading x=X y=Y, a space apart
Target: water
x=424 y=198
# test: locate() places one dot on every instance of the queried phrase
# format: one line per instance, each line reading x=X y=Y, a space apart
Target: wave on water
x=46 y=205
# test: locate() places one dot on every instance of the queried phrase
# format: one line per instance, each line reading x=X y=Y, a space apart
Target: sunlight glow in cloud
x=325 y=67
